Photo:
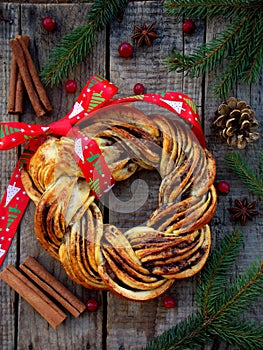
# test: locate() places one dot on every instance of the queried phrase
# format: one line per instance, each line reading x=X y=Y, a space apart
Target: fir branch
x=70 y=51
x=240 y=294
x=240 y=63
x=67 y=54
x=239 y=46
x=215 y=274
x=210 y=8
x=254 y=69
x=207 y=56
x=246 y=335
x=252 y=180
x=222 y=321
x=261 y=164
x=187 y=334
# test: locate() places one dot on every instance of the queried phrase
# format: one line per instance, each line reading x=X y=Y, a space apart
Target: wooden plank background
x=118 y=324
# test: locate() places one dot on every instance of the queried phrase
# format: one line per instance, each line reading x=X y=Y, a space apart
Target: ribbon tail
x=14 y=202
x=96 y=93
x=13 y=134
x=93 y=165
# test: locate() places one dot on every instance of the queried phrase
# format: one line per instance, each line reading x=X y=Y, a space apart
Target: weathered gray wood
x=74 y=333
x=253 y=240
x=118 y=324
x=221 y=223
x=33 y=331
x=147 y=64
x=193 y=86
x=8 y=161
x=146 y=320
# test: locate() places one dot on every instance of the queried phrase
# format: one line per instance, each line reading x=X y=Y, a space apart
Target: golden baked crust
x=143 y=262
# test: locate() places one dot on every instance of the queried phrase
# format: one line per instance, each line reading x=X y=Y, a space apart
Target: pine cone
x=235 y=122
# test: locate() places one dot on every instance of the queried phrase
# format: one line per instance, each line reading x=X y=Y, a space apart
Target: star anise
x=243 y=211
x=144 y=34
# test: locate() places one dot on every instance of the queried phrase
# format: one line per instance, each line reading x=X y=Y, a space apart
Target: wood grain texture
x=8 y=297
x=253 y=239
x=33 y=331
x=147 y=66
x=46 y=2
x=74 y=333
x=118 y=324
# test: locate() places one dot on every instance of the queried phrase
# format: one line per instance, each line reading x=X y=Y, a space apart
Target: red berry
x=48 y=23
x=188 y=27
x=125 y=50
x=223 y=187
x=139 y=89
x=92 y=305
x=71 y=86
x=169 y=302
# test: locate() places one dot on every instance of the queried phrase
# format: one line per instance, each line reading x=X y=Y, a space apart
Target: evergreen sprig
x=219 y=305
x=70 y=51
x=211 y=8
x=251 y=179
x=242 y=334
x=239 y=45
x=217 y=272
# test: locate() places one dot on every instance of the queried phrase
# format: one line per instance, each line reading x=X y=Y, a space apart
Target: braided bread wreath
x=143 y=262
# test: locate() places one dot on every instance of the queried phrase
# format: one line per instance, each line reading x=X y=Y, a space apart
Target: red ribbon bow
x=96 y=93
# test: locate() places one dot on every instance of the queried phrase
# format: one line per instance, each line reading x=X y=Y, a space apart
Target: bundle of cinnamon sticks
x=24 y=76
x=35 y=284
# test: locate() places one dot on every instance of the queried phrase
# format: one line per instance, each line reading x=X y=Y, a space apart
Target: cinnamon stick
x=19 y=84
x=37 y=299
x=40 y=90
x=27 y=80
x=52 y=286
x=12 y=86
x=19 y=94
x=16 y=86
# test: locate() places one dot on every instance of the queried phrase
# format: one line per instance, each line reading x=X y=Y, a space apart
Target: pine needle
x=253 y=71
x=261 y=164
x=187 y=334
x=245 y=335
x=239 y=46
x=207 y=56
x=73 y=47
x=210 y=8
x=240 y=62
x=249 y=177
x=239 y=295
x=221 y=320
x=216 y=272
